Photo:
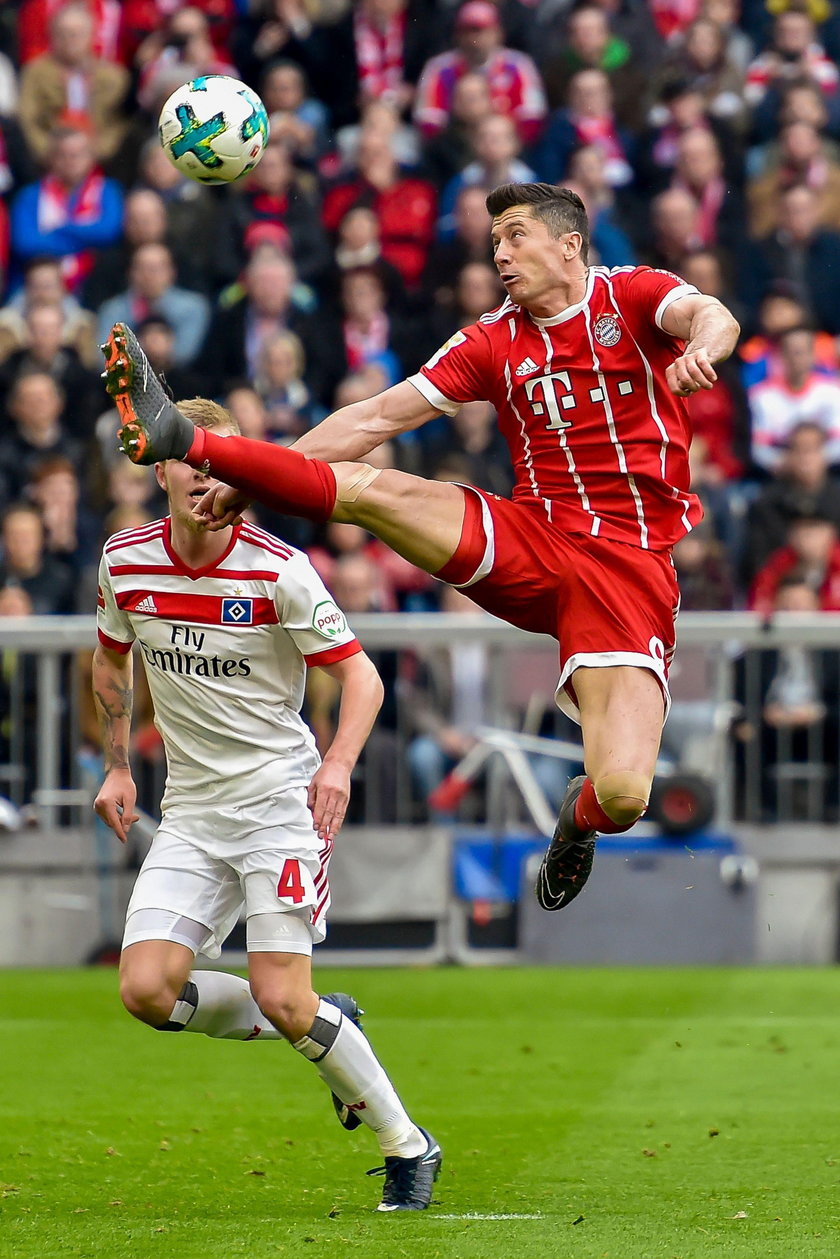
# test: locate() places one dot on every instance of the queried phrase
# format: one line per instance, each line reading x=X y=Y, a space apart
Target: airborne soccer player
x=227 y=622
x=587 y=369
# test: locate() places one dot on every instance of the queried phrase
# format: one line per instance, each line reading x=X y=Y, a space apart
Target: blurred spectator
x=44 y=351
x=471 y=243
x=812 y=551
x=274 y=194
x=359 y=245
x=679 y=107
x=16 y=163
x=675 y=223
x=700 y=59
x=145 y=223
x=782 y=307
x=295 y=117
x=589 y=118
x=72 y=211
x=448 y=151
x=34 y=21
x=289 y=409
x=70 y=80
x=704 y=572
x=182 y=49
x=607 y=237
x=796 y=394
x=476 y=290
x=699 y=170
x=142 y=23
x=159 y=339
x=43 y=285
x=404 y=205
x=799 y=251
x=801 y=486
x=71 y=531
x=726 y=15
x=794 y=100
x=473 y=433
x=590 y=44
x=152 y=291
x=191 y=210
x=672 y=17
x=35 y=403
x=371 y=329
x=248 y=409
x=375 y=52
x=515 y=85
x=801 y=156
x=381 y=117
x=794 y=53
x=268 y=303
x=496 y=147
x=24 y=562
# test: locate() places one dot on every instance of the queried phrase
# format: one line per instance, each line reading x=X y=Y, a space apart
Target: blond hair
x=205 y=413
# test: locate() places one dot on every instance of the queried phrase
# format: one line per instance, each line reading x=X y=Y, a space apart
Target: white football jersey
x=225 y=650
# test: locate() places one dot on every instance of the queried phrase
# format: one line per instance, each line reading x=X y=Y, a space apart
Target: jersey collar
x=184 y=569
x=570 y=311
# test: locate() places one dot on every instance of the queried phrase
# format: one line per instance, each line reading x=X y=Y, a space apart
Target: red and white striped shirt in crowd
x=594 y=432
x=513 y=79
x=225 y=650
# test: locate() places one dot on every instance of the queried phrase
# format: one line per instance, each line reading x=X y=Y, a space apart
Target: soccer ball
x=214 y=129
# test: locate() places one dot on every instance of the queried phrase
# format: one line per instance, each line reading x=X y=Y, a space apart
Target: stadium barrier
x=775 y=784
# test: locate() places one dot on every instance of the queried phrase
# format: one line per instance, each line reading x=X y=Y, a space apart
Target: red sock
x=589 y=815
x=280 y=478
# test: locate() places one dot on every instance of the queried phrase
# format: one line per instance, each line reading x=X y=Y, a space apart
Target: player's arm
x=711 y=334
x=352 y=431
x=361 y=698
x=113 y=693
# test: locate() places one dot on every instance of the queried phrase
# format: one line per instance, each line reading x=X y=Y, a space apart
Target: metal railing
x=724 y=666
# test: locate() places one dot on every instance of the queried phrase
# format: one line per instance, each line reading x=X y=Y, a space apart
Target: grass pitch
x=622 y=1113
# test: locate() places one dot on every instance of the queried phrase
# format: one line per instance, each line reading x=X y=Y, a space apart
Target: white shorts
x=206 y=867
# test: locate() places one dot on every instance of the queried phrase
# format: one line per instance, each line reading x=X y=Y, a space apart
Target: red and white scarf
x=58 y=206
x=379 y=55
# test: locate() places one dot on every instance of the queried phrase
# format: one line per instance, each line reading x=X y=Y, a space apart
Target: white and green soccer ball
x=214 y=129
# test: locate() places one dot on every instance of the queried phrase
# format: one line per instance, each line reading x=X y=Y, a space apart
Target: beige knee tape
x=358 y=482
x=623 y=795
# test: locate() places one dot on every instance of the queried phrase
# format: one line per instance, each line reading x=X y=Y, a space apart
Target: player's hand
x=690 y=372
x=115 y=802
x=329 y=793
x=221 y=506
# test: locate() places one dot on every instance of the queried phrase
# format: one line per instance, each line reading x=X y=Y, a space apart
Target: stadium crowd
x=702 y=135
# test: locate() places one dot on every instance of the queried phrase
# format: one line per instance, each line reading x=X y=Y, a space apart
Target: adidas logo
x=525 y=368
x=146 y=605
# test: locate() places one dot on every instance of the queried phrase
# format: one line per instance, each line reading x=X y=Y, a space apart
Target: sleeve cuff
x=113 y=644
x=333 y=654
x=683 y=290
x=433 y=395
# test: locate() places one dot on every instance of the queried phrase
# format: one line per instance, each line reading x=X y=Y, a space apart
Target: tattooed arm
x=113 y=693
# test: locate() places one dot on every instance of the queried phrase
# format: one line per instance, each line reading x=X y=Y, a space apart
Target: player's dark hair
x=559 y=208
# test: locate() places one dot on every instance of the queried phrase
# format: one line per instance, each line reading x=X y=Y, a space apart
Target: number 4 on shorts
x=289 y=884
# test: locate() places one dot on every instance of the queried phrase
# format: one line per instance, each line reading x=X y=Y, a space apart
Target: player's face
x=535 y=268
x=184 y=487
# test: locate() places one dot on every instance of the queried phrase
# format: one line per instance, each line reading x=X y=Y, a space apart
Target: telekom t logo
x=543 y=397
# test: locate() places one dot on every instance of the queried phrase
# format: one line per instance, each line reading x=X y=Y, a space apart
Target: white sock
x=348 y=1065
x=221 y=1005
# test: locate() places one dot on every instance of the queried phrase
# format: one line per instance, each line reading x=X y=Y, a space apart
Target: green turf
x=635 y=1113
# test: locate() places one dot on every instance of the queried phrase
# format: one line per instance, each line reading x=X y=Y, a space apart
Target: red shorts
x=606 y=602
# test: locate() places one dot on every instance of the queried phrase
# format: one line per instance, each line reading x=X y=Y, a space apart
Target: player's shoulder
x=632 y=275
x=507 y=310
x=127 y=542
x=258 y=545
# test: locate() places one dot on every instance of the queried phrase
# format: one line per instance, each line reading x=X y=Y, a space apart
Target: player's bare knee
x=147 y=998
x=290 y=1012
x=623 y=795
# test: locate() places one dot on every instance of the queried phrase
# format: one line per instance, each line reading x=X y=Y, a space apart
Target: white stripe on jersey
x=663 y=452
x=564 y=446
x=610 y=418
x=134 y=537
x=493 y=316
x=526 y=443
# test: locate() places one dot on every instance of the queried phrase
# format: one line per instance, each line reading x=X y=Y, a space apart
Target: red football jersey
x=593 y=429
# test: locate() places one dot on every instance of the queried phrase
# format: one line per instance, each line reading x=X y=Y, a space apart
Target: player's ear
x=160 y=475
x=572 y=245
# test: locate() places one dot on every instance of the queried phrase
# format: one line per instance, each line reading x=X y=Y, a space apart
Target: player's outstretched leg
x=567 y=863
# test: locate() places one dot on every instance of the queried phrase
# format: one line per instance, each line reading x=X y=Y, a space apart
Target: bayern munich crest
x=607 y=331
